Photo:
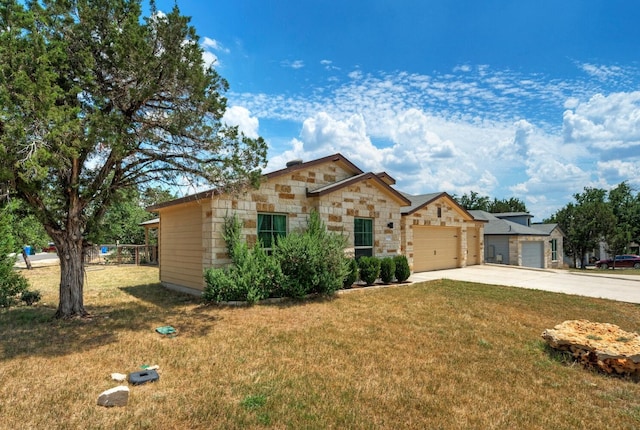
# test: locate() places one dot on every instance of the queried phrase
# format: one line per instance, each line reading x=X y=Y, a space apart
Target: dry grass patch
x=435 y=355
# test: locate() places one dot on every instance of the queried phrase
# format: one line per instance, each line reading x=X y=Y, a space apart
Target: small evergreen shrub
x=369 y=269
x=352 y=274
x=312 y=261
x=30 y=297
x=402 y=272
x=252 y=277
x=12 y=283
x=387 y=270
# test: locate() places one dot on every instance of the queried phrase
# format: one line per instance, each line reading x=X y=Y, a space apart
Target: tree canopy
x=95 y=98
x=475 y=201
x=599 y=216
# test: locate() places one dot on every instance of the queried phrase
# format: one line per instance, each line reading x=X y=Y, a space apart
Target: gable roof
x=380 y=182
x=422 y=200
x=547 y=228
x=498 y=226
x=297 y=165
x=291 y=167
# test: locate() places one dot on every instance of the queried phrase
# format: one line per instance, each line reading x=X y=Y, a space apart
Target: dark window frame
x=271 y=226
x=363 y=237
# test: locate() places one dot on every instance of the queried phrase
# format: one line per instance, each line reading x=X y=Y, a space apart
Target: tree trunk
x=72 y=273
x=27 y=260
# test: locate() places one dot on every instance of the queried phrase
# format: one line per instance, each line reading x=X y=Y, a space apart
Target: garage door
x=473 y=247
x=435 y=248
x=532 y=254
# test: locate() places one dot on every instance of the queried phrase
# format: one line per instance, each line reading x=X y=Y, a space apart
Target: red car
x=626 y=261
x=51 y=247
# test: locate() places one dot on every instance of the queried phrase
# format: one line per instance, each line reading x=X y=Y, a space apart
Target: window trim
x=554 y=249
x=272 y=231
x=362 y=250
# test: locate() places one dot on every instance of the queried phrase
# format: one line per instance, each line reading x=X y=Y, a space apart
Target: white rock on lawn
x=117 y=396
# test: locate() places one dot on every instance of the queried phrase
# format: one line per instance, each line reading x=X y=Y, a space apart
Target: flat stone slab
x=601 y=345
x=116 y=396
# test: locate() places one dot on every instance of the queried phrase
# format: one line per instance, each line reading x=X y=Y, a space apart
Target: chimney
x=294 y=162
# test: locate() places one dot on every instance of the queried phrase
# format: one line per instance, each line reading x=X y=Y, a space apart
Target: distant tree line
x=597 y=215
x=476 y=202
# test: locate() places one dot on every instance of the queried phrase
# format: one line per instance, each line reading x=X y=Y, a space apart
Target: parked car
x=51 y=247
x=621 y=261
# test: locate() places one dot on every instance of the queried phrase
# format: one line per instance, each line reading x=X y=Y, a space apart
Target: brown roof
x=360 y=178
x=336 y=158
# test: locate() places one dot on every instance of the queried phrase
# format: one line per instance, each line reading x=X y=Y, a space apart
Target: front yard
x=442 y=354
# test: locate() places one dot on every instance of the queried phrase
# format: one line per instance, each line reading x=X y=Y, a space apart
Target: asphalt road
x=601 y=284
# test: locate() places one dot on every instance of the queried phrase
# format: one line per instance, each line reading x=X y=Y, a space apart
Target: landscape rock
x=603 y=346
x=117 y=396
x=120 y=377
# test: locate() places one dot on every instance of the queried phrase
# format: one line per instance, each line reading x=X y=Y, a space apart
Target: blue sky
x=533 y=99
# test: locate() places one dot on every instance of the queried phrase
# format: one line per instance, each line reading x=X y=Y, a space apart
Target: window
x=270 y=227
x=439 y=212
x=554 y=249
x=363 y=237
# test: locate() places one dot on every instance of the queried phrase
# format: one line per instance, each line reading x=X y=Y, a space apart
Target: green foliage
x=97 y=98
x=31 y=297
x=312 y=261
x=121 y=222
x=252 y=277
x=387 y=270
x=402 y=268
x=352 y=274
x=11 y=282
x=474 y=201
x=302 y=263
x=369 y=269
x=585 y=222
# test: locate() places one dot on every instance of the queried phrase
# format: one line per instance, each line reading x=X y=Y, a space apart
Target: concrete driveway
x=602 y=284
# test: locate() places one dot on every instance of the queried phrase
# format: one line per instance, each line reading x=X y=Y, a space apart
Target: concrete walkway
x=601 y=284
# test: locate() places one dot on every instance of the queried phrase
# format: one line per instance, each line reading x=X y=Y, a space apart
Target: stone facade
x=192 y=228
x=292 y=194
x=443 y=212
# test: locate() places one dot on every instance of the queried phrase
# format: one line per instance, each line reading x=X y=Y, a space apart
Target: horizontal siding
x=181 y=250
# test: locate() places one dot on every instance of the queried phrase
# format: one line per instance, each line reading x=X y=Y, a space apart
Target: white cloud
x=605 y=122
x=241 y=117
x=296 y=64
x=213 y=44
x=600 y=71
x=475 y=129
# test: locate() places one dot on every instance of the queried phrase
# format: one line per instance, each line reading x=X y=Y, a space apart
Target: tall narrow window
x=270 y=227
x=554 y=249
x=363 y=237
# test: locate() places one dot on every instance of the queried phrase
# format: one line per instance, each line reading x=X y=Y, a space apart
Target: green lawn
x=441 y=355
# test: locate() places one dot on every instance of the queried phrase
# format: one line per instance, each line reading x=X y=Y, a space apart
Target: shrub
x=352 y=274
x=402 y=268
x=369 y=269
x=312 y=261
x=253 y=276
x=387 y=270
x=12 y=283
x=30 y=297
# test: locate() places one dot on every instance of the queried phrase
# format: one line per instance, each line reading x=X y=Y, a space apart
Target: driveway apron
x=601 y=284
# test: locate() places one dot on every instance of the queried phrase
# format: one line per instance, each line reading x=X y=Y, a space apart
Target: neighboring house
x=510 y=238
x=377 y=220
x=554 y=253
x=438 y=233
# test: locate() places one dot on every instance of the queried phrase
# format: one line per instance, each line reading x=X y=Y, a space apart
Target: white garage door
x=532 y=254
x=435 y=248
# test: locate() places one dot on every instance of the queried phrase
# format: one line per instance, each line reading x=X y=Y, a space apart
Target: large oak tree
x=95 y=98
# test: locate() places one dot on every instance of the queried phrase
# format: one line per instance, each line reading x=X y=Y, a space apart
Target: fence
x=121 y=254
